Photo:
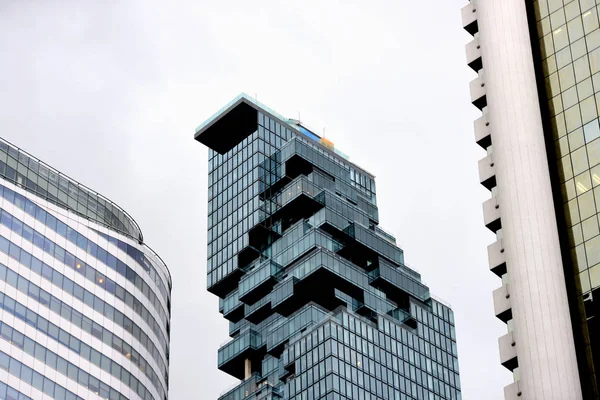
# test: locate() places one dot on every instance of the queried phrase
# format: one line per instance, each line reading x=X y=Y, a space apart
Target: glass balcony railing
x=400 y=280
x=269 y=271
x=281 y=333
x=244 y=389
x=370 y=239
x=291 y=191
x=248 y=340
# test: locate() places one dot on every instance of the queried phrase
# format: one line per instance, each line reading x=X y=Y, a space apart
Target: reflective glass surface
x=318 y=297
x=569 y=42
x=86 y=304
x=42 y=180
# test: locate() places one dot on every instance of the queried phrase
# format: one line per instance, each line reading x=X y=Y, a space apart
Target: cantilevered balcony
x=483 y=133
x=280 y=334
x=375 y=243
x=404 y=317
x=487 y=172
x=258 y=311
x=232 y=355
x=226 y=284
x=473 y=50
x=502 y=305
x=243 y=389
x=469 y=18
x=508 y=351
x=478 y=92
x=233 y=309
x=491 y=214
x=258 y=282
x=513 y=391
x=391 y=281
x=497 y=258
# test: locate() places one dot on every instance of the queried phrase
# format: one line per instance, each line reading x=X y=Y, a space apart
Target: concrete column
x=247 y=368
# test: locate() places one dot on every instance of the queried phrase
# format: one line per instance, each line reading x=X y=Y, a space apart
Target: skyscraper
x=320 y=302
x=84 y=303
x=538 y=84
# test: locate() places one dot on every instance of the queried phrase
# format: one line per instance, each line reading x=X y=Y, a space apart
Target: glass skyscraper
x=84 y=303
x=538 y=86
x=320 y=302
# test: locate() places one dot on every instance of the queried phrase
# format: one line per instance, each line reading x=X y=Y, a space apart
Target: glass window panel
x=583 y=182
x=591 y=131
x=592 y=250
x=553 y=84
x=590 y=19
x=575 y=235
x=593 y=39
x=596 y=82
x=578 y=48
x=562 y=147
x=575 y=27
x=580 y=257
x=572 y=212
x=569 y=98
x=553 y=5
x=584 y=281
x=566 y=170
x=557 y=18
x=560 y=37
x=579 y=160
x=544 y=26
x=559 y=127
x=595 y=172
x=582 y=68
x=593 y=150
x=594 y=58
x=573 y=118
x=589 y=111
x=595 y=276
x=586 y=4
x=556 y=104
x=568 y=189
x=549 y=65
x=585 y=89
x=589 y=227
x=546 y=46
x=572 y=10
x=576 y=139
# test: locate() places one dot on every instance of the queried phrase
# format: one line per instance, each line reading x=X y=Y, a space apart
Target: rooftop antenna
x=298 y=115
x=255 y=96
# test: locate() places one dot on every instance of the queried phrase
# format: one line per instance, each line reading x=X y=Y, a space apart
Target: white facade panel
x=543 y=333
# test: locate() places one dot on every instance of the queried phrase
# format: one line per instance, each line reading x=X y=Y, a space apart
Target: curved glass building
x=320 y=302
x=84 y=303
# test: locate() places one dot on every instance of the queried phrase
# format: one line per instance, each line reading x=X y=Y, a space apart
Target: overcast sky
x=110 y=92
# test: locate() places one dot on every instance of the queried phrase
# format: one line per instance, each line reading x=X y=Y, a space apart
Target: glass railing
x=258 y=276
x=400 y=280
x=385 y=234
x=298 y=186
x=231 y=302
x=56 y=187
x=370 y=239
x=243 y=389
x=307 y=316
x=248 y=310
x=245 y=341
x=400 y=315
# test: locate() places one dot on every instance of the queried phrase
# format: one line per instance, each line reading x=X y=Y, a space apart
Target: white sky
x=110 y=93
